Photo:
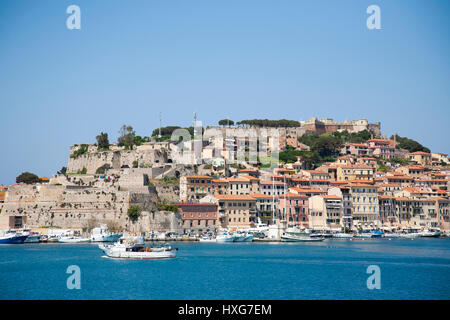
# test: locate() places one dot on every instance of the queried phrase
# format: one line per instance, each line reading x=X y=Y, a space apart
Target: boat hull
x=293 y=238
x=13 y=240
x=106 y=238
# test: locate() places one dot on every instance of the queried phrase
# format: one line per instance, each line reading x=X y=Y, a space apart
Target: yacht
x=135 y=248
x=207 y=237
x=102 y=234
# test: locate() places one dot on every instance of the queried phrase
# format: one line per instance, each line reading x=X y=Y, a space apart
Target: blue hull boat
x=13 y=239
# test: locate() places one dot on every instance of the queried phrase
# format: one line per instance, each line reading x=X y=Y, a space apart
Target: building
x=294 y=209
x=365 y=205
x=354 y=172
x=420 y=157
x=194 y=187
x=382 y=148
x=343 y=192
x=266 y=207
x=198 y=217
x=236 y=211
x=325 y=211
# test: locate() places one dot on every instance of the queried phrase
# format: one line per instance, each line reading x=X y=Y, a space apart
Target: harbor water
x=332 y=269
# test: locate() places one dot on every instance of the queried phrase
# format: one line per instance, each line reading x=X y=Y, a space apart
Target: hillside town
x=335 y=176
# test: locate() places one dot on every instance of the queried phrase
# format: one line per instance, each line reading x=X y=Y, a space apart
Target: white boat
x=393 y=235
x=248 y=237
x=239 y=237
x=410 y=235
x=431 y=233
x=135 y=248
x=290 y=237
x=224 y=237
x=102 y=234
x=72 y=239
x=342 y=235
x=207 y=239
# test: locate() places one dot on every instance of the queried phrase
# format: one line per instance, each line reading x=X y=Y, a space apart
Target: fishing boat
x=11 y=237
x=290 y=237
x=248 y=237
x=135 y=248
x=102 y=234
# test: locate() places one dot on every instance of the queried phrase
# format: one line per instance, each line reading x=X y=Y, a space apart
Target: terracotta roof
x=261 y=196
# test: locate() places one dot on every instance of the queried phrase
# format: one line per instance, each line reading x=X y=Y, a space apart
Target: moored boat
x=11 y=237
x=135 y=248
x=102 y=234
x=289 y=237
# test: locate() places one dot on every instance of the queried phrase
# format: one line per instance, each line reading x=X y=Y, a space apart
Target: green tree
x=226 y=122
x=62 y=171
x=134 y=212
x=409 y=144
x=103 y=141
x=127 y=136
x=28 y=178
x=327 y=146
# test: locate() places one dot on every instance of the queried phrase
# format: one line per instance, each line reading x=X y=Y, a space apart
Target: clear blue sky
x=237 y=58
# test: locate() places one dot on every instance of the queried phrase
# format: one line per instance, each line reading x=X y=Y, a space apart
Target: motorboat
x=370 y=234
x=225 y=237
x=135 y=248
x=431 y=233
x=343 y=235
x=102 y=234
x=291 y=237
x=410 y=234
x=11 y=237
x=207 y=237
x=32 y=237
x=248 y=237
x=71 y=237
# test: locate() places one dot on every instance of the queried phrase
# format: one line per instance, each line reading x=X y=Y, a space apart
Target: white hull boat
x=224 y=237
x=248 y=238
x=300 y=238
x=73 y=240
x=431 y=234
x=102 y=234
x=207 y=239
x=132 y=249
x=343 y=236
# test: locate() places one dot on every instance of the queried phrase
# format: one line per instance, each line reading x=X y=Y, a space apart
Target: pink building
x=294 y=209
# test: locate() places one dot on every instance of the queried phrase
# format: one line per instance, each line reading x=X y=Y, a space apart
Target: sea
x=332 y=269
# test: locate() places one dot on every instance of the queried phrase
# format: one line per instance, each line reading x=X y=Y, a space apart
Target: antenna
x=159 y=134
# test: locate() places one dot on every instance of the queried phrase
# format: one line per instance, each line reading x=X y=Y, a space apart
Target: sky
x=237 y=59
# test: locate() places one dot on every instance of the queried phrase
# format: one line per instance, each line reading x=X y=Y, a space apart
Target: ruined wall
x=146 y=157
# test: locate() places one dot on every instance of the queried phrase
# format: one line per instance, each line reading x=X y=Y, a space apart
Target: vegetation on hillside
x=134 y=212
x=269 y=123
x=102 y=141
x=409 y=144
x=226 y=122
x=127 y=137
x=28 y=178
x=83 y=149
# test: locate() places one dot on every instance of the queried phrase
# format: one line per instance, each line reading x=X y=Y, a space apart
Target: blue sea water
x=332 y=269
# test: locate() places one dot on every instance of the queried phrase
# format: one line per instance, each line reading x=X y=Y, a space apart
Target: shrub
x=103 y=169
x=83 y=149
x=134 y=212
